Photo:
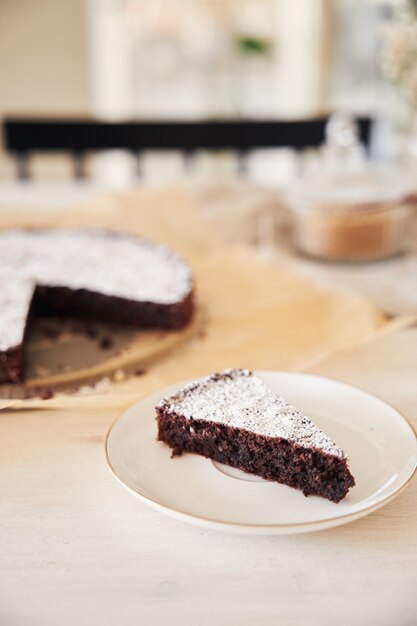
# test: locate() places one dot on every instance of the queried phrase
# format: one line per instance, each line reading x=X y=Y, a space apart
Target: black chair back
x=79 y=137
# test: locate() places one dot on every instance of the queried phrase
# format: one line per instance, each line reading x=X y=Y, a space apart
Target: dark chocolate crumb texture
x=233 y=417
x=94 y=275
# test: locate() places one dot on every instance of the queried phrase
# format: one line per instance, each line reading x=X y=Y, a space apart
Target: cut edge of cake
x=27 y=295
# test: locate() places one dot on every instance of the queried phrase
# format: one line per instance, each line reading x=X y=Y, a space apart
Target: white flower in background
x=399 y=51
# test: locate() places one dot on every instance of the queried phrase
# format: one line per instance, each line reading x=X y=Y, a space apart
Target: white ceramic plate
x=380 y=443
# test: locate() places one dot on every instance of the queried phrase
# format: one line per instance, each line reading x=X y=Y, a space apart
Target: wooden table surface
x=77 y=549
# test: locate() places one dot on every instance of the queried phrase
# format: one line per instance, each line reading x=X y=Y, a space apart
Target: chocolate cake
x=234 y=417
x=97 y=275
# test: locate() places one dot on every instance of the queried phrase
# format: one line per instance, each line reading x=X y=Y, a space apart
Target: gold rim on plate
x=219 y=523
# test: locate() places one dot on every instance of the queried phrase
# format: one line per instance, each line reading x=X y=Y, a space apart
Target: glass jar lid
x=344 y=177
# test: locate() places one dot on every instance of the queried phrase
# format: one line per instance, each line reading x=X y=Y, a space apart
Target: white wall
x=43 y=60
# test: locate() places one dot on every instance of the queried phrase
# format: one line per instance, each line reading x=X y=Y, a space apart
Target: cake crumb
x=105 y=342
x=46 y=394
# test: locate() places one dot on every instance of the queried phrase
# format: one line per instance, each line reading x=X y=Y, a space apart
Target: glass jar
x=349 y=209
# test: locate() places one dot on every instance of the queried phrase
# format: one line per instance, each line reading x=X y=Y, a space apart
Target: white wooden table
x=77 y=549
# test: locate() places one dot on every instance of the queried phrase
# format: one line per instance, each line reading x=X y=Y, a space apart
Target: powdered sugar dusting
x=99 y=261
x=238 y=398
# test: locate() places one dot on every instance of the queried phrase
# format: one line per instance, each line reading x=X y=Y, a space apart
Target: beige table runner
x=256 y=313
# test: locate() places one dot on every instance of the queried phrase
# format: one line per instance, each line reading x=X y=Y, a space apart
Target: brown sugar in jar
x=352 y=232
x=350 y=208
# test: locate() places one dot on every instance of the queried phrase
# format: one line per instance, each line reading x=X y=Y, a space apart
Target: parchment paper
x=254 y=312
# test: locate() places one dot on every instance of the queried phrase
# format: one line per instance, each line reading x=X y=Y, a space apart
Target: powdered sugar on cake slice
x=98 y=261
x=240 y=399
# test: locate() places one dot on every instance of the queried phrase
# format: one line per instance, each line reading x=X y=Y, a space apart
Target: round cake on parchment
x=97 y=275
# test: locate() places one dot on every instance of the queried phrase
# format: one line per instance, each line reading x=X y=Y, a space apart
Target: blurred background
x=291 y=125
x=116 y=60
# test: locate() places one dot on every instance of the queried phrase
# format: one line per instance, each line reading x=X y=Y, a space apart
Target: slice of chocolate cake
x=96 y=275
x=233 y=417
